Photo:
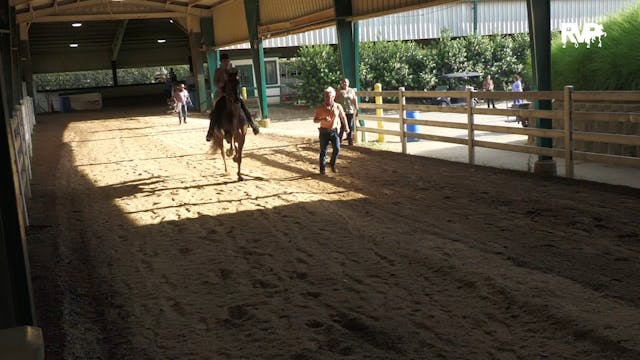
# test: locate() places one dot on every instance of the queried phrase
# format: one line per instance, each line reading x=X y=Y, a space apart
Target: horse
x=228 y=122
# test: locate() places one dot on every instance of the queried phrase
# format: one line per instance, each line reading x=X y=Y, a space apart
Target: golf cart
x=460 y=81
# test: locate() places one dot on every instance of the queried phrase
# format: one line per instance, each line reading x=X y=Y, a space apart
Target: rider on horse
x=220 y=78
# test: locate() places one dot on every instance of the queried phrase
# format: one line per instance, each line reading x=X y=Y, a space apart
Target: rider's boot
x=256 y=129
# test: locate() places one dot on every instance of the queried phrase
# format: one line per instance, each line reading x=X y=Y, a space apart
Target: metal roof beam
x=31 y=16
x=322 y=18
x=103 y=17
x=177 y=8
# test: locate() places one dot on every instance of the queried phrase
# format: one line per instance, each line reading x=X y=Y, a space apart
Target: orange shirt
x=334 y=114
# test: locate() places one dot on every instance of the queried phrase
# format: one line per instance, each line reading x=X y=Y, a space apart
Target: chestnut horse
x=231 y=123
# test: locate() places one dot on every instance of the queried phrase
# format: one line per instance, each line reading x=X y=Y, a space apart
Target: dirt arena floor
x=141 y=247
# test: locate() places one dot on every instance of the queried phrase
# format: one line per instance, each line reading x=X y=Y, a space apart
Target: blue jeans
x=328 y=136
x=182 y=113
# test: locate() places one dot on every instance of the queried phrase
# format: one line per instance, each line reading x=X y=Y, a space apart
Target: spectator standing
x=487 y=85
x=346 y=97
x=182 y=99
x=172 y=76
x=516 y=87
x=330 y=115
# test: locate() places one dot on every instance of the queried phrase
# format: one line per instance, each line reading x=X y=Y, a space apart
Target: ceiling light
x=171 y=21
x=162 y=41
x=76 y=24
x=73 y=45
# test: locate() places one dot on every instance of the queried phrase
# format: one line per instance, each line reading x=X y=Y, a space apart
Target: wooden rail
x=565 y=116
x=21 y=128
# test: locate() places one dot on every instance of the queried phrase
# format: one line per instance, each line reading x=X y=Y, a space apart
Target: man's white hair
x=330 y=90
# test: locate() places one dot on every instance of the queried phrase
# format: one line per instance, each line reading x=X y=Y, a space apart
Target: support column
x=475 y=17
x=257 y=52
x=213 y=55
x=115 y=50
x=539 y=14
x=16 y=66
x=25 y=59
x=114 y=72
x=195 y=39
x=348 y=42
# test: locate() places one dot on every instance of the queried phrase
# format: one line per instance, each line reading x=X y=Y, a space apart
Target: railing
x=564 y=139
x=284 y=94
x=21 y=125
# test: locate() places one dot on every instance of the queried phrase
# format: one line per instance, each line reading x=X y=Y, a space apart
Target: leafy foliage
x=509 y=57
x=73 y=80
x=395 y=64
x=103 y=78
x=318 y=67
x=414 y=66
x=614 y=66
x=449 y=55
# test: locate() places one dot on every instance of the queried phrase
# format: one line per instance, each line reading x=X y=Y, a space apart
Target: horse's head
x=232 y=83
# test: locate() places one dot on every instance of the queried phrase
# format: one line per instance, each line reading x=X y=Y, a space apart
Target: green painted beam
x=348 y=42
x=252 y=13
x=213 y=55
x=539 y=14
x=475 y=16
x=202 y=100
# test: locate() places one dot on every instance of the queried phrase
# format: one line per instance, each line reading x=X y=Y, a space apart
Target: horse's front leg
x=230 y=151
x=238 y=156
x=218 y=143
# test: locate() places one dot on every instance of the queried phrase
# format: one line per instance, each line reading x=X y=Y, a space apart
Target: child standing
x=182 y=100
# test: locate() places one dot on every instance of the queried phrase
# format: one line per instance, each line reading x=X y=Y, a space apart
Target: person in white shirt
x=182 y=99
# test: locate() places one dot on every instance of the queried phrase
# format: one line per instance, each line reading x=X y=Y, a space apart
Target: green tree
x=506 y=62
x=73 y=80
x=449 y=55
x=394 y=64
x=318 y=67
x=478 y=50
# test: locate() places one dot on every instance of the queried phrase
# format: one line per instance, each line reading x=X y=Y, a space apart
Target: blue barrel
x=65 y=104
x=412 y=127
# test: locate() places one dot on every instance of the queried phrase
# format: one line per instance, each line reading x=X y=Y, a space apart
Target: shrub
x=614 y=66
x=318 y=67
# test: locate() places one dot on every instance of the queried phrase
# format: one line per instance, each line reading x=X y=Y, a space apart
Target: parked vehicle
x=461 y=81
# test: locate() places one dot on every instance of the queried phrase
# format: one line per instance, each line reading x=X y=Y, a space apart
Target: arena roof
x=50 y=31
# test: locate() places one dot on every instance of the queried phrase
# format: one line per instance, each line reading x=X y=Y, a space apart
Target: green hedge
x=415 y=66
x=614 y=66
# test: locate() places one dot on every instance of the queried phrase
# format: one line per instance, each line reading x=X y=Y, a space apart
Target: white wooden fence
x=564 y=138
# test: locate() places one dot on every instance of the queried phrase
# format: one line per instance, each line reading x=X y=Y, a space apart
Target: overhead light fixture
x=73 y=45
x=76 y=24
x=161 y=41
x=171 y=21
